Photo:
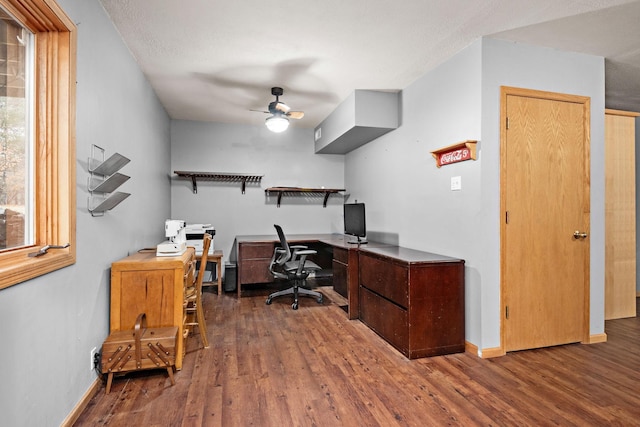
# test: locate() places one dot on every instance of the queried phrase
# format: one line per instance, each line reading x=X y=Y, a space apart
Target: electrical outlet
x=96 y=361
x=94 y=352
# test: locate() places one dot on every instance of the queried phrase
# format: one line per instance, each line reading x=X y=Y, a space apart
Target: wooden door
x=620 y=214
x=544 y=200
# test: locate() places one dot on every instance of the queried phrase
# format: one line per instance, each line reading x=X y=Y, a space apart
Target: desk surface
x=342 y=241
x=336 y=240
x=147 y=259
x=407 y=255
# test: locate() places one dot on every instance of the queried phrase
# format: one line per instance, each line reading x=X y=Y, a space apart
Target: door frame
x=586 y=105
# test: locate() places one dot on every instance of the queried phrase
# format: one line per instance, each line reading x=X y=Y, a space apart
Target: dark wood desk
x=254 y=252
x=412 y=299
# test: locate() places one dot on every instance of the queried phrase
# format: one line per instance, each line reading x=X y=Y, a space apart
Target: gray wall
x=285 y=159
x=409 y=199
x=49 y=325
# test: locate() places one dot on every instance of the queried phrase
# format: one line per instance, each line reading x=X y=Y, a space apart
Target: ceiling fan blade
x=258 y=111
x=281 y=106
x=295 y=114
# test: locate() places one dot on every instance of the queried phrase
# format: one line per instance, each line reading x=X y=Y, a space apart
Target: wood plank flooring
x=273 y=366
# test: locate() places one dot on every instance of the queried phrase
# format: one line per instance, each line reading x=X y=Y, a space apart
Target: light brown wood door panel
x=620 y=214
x=545 y=199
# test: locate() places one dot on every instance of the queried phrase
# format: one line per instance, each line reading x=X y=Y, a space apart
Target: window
x=37 y=138
x=16 y=136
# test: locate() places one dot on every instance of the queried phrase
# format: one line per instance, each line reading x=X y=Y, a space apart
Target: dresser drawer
x=385 y=278
x=190 y=271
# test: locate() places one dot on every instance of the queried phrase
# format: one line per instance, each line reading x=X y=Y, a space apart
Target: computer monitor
x=354 y=222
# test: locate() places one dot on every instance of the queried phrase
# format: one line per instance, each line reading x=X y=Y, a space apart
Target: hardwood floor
x=272 y=366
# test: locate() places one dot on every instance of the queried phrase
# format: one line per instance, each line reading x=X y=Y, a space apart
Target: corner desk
x=412 y=299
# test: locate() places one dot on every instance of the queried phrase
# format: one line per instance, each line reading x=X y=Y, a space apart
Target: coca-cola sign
x=455 y=156
x=455 y=153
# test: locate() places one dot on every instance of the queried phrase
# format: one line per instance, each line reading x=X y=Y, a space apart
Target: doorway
x=545 y=207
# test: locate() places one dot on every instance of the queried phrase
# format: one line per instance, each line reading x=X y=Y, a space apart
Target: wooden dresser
x=413 y=299
x=145 y=283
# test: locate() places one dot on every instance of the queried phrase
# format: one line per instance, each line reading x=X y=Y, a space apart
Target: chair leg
x=310 y=293
x=109 y=381
x=296 y=290
x=277 y=294
x=170 y=372
x=202 y=325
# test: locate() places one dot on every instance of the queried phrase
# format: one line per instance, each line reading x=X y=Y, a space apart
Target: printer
x=195 y=235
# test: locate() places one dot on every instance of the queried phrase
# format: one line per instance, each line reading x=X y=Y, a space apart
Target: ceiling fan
x=280 y=113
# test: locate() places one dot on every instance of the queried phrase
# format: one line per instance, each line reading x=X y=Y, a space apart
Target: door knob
x=578 y=235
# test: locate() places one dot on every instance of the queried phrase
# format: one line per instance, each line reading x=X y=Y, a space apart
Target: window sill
x=22 y=267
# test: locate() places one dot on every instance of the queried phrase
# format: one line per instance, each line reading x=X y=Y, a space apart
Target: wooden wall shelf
x=459 y=152
x=243 y=178
x=284 y=190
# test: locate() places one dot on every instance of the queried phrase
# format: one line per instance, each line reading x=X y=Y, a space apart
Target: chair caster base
x=295 y=291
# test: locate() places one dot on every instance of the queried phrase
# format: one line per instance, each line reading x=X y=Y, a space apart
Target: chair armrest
x=302 y=261
x=307 y=252
x=301 y=254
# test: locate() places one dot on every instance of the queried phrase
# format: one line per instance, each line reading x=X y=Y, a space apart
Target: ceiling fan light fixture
x=277 y=123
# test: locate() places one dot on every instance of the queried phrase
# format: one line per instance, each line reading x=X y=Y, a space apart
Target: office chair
x=290 y=263
x=193 y=311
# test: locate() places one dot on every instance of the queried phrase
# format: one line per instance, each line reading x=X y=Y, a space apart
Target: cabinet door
x=150 y=292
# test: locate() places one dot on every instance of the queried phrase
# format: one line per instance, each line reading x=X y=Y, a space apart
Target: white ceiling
x=212 y=60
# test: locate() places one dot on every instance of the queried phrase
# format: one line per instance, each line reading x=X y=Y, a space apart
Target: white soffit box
x=362 y=117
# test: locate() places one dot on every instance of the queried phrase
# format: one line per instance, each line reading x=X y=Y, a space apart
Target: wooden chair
x=194 y=313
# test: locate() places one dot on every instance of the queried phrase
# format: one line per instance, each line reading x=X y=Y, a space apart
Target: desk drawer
x=341 y=255
x=386 y=319
x=256 y=250
x=385 y=278
x=255 y=271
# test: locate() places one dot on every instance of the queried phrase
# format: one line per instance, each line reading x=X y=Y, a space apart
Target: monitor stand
x=358 y=241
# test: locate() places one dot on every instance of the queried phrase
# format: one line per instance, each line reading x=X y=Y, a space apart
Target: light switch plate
x=456 y=183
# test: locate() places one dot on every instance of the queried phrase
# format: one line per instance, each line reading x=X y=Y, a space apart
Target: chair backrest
x=281 y=254
x=286 y=255
x=206 y=243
